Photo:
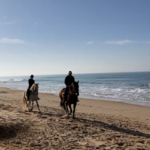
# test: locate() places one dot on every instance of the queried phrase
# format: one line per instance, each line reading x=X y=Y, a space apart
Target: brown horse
x=72 y=98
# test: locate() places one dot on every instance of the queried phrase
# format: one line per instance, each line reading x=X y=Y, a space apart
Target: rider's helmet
x=32 y=76
x=70 y=72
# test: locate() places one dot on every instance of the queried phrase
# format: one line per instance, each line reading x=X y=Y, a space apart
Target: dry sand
x=103 y=125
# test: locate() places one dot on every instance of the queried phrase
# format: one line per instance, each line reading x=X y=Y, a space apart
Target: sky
x=85 y=36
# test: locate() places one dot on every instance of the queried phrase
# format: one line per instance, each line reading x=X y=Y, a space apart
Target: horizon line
x=76 y=73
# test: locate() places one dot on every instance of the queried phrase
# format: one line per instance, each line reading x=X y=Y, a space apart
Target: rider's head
x=70 y=73
x=32 y=76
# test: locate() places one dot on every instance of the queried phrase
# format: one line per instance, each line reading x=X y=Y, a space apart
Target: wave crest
x=12 y=80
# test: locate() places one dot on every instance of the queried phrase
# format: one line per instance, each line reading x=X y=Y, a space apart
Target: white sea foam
x=121 y=88
x=12 y=80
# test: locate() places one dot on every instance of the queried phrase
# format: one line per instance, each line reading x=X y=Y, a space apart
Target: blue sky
x=85 y=36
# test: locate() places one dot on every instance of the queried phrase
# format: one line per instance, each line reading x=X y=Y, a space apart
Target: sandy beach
x=99 y=124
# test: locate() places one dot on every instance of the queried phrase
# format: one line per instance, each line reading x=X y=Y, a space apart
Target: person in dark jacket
x=31 y=82
x=68 y=81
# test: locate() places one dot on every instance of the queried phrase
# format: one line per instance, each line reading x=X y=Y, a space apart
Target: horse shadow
x=104 y=125
x=114 y=127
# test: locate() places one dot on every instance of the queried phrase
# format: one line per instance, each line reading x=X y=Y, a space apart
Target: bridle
x=74 y=90
x=35 y=92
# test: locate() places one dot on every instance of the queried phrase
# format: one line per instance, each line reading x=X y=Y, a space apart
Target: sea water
x=125 y=87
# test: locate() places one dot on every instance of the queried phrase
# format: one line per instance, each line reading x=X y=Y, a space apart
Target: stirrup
x=65 y=101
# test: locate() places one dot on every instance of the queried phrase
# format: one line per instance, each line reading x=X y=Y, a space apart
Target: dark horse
x=72 y=97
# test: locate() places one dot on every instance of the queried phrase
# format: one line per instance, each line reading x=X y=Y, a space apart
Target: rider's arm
x=73 y=79
x=65 y=81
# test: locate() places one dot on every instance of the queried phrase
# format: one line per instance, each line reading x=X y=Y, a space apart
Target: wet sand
x=99 y=124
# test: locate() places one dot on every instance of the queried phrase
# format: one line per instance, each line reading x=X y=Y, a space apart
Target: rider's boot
x=27 y=95
x=27 y=98
x=65 y=98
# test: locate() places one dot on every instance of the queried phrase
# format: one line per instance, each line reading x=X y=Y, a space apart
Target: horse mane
x=33 y=87
x=71 y=88
x=74 y=83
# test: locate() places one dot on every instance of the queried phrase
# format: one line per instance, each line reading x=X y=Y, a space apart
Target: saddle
x=64 y=91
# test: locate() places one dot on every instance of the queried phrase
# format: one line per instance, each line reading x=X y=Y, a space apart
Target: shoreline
x=132 y=102
x=92 y=98
x=88 y=106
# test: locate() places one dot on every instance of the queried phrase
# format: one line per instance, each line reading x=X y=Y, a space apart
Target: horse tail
x=61 y=98
x=24 y=102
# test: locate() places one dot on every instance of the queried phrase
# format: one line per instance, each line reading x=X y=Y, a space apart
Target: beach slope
x=98 y=125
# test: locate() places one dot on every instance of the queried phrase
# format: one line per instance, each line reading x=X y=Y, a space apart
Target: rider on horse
x=31 y=82
x=68 y=81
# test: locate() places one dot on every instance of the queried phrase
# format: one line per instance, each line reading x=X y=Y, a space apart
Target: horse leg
x=32 y=105
x=38 y=106
x=70 y=109
x=66 y=107
x=74 y=109
x=29 y=103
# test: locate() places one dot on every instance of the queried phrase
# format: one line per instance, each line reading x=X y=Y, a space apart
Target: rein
x=35 y=92
x=72 y=90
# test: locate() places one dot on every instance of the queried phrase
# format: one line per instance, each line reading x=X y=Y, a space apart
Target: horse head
x=37 y=86
x=34 y=87
x=75 y=86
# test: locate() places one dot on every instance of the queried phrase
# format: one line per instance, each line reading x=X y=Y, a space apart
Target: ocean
x=125 y=87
